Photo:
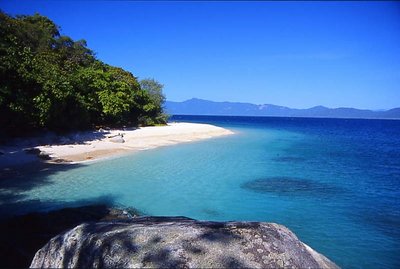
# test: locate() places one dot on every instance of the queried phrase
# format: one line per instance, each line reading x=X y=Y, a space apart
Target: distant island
x=197 y=106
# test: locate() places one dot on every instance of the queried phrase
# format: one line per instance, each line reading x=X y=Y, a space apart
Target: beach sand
x=96 y=145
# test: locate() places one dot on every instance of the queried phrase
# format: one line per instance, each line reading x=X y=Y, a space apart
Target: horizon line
x=240 y=102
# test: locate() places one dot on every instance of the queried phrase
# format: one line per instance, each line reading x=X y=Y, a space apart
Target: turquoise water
x=335 y=183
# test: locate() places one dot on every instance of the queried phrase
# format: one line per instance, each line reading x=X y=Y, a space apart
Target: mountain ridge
x=196 y=106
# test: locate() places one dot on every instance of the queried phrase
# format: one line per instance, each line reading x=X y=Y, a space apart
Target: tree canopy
x=49 y=81
x=156 y=100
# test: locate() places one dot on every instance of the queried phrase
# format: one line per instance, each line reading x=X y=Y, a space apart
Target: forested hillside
x=49 y=81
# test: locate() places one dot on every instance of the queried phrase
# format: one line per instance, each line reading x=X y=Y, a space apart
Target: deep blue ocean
x=334 y=182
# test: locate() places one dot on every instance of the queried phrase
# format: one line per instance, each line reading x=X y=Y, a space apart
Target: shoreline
x=90 y=146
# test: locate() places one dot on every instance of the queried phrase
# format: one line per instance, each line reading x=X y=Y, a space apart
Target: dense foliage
x=49 y=81
x=157 y=99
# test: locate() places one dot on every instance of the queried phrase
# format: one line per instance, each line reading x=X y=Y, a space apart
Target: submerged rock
x=180 y=243
x=293 y=186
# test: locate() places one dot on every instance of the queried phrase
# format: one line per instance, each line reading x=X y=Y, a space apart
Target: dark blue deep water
x=343 y=176
x=334 y=182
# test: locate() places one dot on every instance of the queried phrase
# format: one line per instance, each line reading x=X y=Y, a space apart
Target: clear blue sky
x=286 y=53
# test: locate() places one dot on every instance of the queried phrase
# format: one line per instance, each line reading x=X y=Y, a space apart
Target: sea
x=334 y=182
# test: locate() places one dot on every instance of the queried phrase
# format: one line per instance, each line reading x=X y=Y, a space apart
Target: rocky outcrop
x=21 y=236
x=178 y=243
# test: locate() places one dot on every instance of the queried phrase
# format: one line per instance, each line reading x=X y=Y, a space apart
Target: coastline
x=91 y=146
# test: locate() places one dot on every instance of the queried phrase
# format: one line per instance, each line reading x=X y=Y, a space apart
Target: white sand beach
x=94 y=145
x=109 y=143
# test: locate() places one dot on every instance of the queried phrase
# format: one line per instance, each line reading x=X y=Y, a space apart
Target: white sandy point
x=139 y=139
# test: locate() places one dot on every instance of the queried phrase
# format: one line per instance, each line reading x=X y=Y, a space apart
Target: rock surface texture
x=167 y=242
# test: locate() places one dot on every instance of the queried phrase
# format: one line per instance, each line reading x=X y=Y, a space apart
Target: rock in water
x=178 y=243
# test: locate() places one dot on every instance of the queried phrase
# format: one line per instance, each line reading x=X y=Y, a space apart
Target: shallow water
x=335 y=183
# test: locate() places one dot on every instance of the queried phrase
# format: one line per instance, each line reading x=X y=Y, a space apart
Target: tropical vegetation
x=48 y=81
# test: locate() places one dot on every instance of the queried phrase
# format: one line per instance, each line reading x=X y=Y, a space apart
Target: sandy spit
x=102 y=145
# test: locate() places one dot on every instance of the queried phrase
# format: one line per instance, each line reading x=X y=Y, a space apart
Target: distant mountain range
x=204 y=107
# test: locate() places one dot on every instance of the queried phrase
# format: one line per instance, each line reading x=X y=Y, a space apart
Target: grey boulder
x=177 y=242
x=117 y=139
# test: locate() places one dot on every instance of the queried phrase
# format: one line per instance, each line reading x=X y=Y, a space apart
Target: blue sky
x=296 y=54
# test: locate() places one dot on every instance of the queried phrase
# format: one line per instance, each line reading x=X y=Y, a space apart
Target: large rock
x=178 y=243
x=117 y=139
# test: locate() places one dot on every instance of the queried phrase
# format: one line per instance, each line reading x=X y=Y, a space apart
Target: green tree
x=50 y=81
x=155 y=105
